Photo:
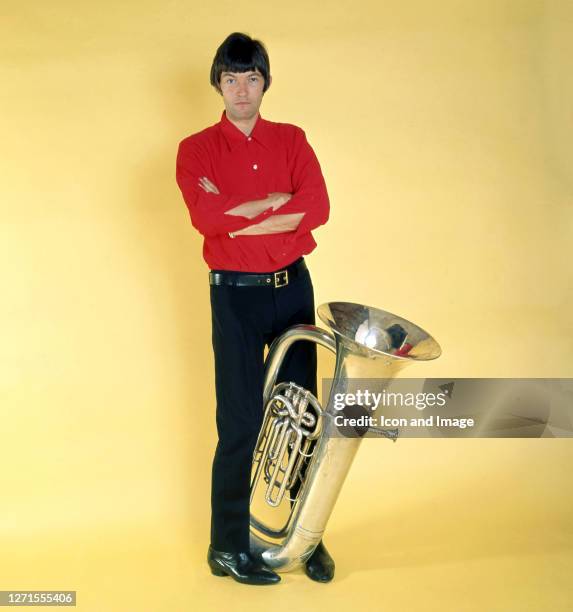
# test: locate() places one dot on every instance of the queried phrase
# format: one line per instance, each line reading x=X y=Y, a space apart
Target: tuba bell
x=299 y=447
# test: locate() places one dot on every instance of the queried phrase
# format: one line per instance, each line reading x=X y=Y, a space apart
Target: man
x=254 y=190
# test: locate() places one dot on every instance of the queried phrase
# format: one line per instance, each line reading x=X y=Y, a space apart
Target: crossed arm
x=215 y=214
x=276 y=224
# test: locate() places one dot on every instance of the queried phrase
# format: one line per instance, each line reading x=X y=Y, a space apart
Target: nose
x=241 y=88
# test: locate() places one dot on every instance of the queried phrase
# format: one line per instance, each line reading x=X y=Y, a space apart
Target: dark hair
x=240 y=53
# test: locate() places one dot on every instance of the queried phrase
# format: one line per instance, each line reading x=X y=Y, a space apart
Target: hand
x=207 y=185
x=278 y=199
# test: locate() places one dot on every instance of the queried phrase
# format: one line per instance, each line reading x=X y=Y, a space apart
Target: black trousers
x=244 y=320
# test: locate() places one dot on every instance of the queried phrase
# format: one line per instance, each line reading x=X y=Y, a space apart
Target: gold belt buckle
x=281 y=274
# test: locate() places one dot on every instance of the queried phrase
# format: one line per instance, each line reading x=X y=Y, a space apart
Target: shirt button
x=249 y=139
x=255 y=166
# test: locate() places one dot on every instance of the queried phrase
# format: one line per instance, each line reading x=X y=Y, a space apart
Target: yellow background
x=444 y=130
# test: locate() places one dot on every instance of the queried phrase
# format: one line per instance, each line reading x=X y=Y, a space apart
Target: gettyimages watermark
x=450 y=408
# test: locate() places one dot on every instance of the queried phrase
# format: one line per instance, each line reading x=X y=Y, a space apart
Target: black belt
x=280 y=278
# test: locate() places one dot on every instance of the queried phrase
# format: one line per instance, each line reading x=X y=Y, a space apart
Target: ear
x=270 y=81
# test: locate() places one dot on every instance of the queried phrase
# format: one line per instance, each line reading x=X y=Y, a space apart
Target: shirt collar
x=262 y=132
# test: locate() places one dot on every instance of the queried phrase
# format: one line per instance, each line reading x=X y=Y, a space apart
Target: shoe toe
x=320 y=566
x=319 y=573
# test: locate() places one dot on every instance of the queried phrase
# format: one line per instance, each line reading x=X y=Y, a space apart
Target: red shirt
x=276 y=157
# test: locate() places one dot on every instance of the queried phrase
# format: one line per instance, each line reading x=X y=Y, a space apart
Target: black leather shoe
x=241 y=566
x=320 y=565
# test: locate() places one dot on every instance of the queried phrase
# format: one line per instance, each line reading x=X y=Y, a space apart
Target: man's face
x=242 y=94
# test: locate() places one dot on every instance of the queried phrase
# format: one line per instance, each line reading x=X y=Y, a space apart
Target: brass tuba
x=298 y=441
